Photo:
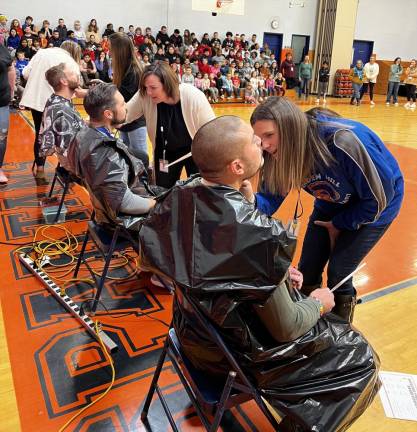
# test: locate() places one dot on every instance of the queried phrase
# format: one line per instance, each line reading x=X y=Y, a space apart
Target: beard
x=116 y=121
x=73 y=85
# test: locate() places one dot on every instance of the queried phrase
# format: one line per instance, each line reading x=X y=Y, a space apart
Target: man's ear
x=108 y=114
x=236 y=167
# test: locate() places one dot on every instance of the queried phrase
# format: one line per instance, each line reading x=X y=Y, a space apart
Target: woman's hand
x=247 y=191
x=296 y=278
x=332 y=230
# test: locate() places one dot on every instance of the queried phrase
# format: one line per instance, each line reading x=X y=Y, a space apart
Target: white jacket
x=371 y=72
x=37 y=90
x=195 y=107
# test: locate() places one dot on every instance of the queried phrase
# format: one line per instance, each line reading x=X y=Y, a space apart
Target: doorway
x=274 y=41
x=300 y=44
x=362 y=50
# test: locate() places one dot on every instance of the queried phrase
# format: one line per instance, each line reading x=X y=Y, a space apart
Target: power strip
x=69 y=305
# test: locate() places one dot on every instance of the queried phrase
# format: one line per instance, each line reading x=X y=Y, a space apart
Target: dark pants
x=37 y=121
x=350 y=249
x=364 y=89
x=167 y=180
x=411 y=92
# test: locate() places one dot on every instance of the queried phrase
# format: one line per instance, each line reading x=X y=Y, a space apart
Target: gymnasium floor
x=49 y=367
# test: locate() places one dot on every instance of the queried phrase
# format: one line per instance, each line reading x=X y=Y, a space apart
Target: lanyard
x=103 y=130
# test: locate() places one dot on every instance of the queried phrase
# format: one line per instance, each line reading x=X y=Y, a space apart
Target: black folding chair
x=64 y=178
x=210 y=398
x=107 y=240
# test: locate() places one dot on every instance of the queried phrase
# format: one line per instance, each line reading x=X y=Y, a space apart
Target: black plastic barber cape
x=228 y=256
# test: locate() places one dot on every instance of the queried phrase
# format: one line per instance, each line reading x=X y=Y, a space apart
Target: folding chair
x=107 y=240
x=64 y=178
x=209 y=397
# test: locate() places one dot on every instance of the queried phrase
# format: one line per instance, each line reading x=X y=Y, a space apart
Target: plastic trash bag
x=228 y=256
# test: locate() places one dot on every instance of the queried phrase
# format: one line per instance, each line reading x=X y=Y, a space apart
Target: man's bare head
x=226 y=149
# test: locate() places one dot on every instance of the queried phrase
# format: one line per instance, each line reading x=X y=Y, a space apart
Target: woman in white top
x=173 y=112
x=37 y=90
x=80 y=34
x=370 y=73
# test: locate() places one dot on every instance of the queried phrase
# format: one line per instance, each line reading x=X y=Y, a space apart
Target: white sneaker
x=396 y=104
x=413 y=105
x=407 y=105
x=372 y=103
x=3 y=178
x=317 y=100
x=387 y=103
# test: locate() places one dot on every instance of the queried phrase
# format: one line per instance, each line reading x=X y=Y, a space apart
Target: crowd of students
x=223 y=69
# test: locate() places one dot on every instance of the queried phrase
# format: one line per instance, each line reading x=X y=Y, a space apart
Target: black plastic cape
x=228 y=257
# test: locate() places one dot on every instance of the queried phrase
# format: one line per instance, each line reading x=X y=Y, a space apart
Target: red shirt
x=236 y=81
x=138 y=40
x=204 y=68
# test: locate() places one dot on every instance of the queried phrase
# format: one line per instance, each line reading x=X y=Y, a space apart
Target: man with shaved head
x=233 y=261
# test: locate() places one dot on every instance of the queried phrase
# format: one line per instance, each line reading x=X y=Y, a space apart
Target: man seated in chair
x=60 y=121
x=110 y=173
x=315 y=370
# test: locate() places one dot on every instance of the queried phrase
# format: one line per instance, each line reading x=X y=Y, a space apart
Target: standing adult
x=126 y=75
x=305 y=73
x=410 y=84
x=370 y=74
x=173 y=112
x=356 y=75
x=394 y=78
x=357 y=185
x=7 y=83
x=37 y=90
x=288 y=71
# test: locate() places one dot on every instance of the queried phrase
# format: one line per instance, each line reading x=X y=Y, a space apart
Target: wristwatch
x=321 y=306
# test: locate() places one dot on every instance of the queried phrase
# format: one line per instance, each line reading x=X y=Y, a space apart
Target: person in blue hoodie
x=357 y=184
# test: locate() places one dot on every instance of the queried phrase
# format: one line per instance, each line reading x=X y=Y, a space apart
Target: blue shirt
x=363 y=186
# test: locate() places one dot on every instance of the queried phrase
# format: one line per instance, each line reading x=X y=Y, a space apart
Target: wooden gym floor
x=49 y=368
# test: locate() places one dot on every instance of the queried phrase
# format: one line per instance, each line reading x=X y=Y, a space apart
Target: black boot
x=344 y=306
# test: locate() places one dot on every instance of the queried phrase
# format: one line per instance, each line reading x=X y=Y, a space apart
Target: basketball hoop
x=220 y=3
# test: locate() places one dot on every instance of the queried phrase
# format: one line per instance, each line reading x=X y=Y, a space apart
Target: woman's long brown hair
x=123 y=57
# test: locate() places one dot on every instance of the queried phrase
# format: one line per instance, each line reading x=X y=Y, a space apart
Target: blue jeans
x=136 y=141
x=350 y=249
x=393 y=88
x=304 y=87
x=357 y=91
x=4 y=129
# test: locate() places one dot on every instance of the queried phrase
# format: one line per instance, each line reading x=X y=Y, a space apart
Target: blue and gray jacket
x=364 y=185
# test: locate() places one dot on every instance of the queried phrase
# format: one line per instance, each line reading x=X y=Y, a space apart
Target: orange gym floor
x=50 y=367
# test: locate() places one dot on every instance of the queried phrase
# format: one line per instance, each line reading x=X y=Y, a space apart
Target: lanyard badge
x=163 y=163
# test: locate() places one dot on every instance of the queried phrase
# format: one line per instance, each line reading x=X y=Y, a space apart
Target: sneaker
x=407 y=105
x=396 y=104
x=372 y=103
x=413 y=105
x=3 y=178
x=387 y=103
x=317 y=101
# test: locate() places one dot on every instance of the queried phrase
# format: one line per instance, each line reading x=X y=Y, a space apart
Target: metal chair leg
x=64 y=192
x=105 y=270
x=52 y=185
x=81 y=255
x=152 y=388
x=223 y=399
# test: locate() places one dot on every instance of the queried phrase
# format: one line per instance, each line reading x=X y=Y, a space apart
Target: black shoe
x=344 y=306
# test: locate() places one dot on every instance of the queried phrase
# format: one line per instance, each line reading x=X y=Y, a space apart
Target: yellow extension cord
x=50 y=247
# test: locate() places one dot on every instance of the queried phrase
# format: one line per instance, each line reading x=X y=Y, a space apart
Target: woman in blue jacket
x=357 y=185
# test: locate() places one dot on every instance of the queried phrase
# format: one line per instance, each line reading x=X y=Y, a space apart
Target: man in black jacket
x=110 y=173
x=232 y=261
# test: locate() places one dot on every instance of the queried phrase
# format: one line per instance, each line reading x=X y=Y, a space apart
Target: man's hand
x=80 y=93
x=94 y=82
x=247 y=191
x=325 y=296
x=331 y=229
x=296 y=278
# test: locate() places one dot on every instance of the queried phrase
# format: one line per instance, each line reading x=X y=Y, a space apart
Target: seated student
x=103 y=162
x=60 y=120
x=232 y=261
